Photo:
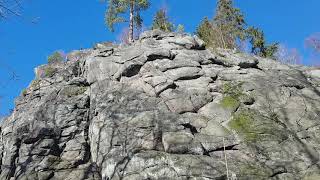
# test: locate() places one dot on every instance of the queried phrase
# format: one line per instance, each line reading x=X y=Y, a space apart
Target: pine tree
x=120 y=7
x=161 y=21
x=258 y=43
x=230 y=21
x=205 y=32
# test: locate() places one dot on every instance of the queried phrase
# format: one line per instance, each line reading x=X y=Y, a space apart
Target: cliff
x=164 y=108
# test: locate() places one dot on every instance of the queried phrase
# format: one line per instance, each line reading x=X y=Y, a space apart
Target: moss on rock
x=243 y=124
x=230 y=102
x=73 y=91
x=232 y=94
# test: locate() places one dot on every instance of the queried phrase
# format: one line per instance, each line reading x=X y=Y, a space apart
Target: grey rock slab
x=184 y=73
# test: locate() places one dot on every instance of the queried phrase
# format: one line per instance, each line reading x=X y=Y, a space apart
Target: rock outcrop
x=164 y=108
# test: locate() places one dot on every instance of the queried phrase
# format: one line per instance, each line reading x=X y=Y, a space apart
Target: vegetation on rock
x=56 y=57
x=161 y=21
x=49 y=71
x=73 y=91
x=119 y=7
x=243 y=124
x=229 y=30
x=231 y=95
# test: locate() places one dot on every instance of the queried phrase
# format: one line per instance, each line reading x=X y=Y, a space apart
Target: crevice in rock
x=297 y=86
x=217 y=62
x=283 y=171
x=130 y=71
x=190 y=77
x=205 y=151
x=171 y=86
x=192 y=129
x=13 y=165
x=227 y=148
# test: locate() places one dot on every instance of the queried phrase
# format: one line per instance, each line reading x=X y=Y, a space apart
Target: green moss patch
x=73 y=91
x=232 y=94
x=243 y=124
x=230 y=102
x=253 y=171
x=253 y=127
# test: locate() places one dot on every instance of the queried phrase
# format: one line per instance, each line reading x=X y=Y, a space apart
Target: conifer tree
x=116 y=8
x=205 y=32
x=258 y=43
x=161 y=21
x=230 y=21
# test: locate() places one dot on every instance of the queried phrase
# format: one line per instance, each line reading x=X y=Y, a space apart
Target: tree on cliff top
x=161 y=21
x=227 y=26
x=258 y=43
x=116 y=8
x=228 y=29
x=230 y=21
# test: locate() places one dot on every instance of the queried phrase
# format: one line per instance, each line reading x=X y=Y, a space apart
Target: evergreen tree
x=230 y=21
x=258 y=43
x=213 y=36
x=161 y=21
x=206 y=33
x=120 y=7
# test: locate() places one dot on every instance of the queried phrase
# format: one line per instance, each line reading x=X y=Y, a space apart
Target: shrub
x=24 y=92
x=56 y=57
x=49 y=71
x=161 y=21
x=35 y=82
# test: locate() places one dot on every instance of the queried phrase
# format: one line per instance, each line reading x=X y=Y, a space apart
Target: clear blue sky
x=69 y=24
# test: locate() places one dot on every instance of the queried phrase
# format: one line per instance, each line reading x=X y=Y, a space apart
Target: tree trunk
x=131 y=21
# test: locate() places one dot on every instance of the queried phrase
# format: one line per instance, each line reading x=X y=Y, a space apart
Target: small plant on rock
x=24 y=92
x=49 y=71
x=232 y=94
x=56 y=57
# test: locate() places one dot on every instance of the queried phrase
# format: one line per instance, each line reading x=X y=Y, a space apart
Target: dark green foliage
x=116 y=8
x=259 y=45
x=161 y=21
x=56 y=57
x=225 y=29
x=231 y=21
x=206 y=33
x=228 y=28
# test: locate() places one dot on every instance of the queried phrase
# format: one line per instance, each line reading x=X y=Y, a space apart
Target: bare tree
x=288 y=55
x=313 y=42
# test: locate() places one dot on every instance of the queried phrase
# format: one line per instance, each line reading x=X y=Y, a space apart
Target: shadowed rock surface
x=164 y=108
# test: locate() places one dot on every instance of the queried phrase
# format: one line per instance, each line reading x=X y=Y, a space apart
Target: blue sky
x=68 y=24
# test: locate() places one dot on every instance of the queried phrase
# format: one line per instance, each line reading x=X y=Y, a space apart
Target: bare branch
x=10 y=7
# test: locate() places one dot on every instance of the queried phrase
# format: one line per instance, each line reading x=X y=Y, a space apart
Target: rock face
x=164 y=108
